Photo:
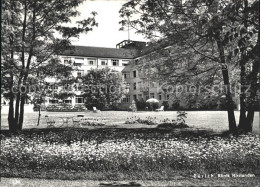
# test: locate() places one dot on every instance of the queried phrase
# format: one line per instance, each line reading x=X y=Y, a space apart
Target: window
x=135 y=86
x=126 y=75
x=115 y=62
x=152 y=95
x=160 y=96
x=67 y=101
x=125 y=62
x=67 y=60
x=79 y=61
x=79 y=100
x=136 y=62
x=103 y=62
x=80 y=73
x=91 y=62
x=126 y=99
x=134 y=73
x=146 y=96
x=168 y=97
x=134 y=97
x=53 y=101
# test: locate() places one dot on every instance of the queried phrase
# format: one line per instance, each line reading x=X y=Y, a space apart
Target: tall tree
x=28 y=41
x=207 y=31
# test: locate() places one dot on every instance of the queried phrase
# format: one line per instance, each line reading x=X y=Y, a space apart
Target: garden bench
x=95 y=110
x=160 y=109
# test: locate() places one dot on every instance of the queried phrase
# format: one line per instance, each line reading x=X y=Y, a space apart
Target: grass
x=212 y=120
x=136 y=152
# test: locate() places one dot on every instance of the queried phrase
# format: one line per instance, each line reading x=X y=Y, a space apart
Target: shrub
x=223 y=104
x=148 y=120
x=140 y=104
x=179 y=123
x=152 y=106
x=176 y=105
x=166 y=105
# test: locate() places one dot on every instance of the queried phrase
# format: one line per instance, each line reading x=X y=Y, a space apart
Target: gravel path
x=17 y=182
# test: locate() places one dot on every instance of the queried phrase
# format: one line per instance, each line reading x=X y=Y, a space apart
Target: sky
x=107 y=33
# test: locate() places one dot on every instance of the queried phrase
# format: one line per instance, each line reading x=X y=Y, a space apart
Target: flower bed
x=191 y=155
x=92 y=123
x=148 y=121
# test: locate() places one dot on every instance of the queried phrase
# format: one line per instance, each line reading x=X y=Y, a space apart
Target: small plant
x=148 y=120
x=179 y=123
x=181 y=115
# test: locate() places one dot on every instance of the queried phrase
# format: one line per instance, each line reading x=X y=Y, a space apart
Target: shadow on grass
x=118 y=133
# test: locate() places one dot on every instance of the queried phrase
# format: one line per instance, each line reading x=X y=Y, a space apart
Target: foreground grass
x=121 y=154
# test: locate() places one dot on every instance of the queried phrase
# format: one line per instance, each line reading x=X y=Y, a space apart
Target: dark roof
x=102 y=52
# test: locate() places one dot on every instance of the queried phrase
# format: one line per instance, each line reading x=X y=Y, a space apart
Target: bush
x=176 y=105
x=79 y=107
x=166 y=105
x=223 y=104
x=180 y=123
x=152 y=106
x=140 y=104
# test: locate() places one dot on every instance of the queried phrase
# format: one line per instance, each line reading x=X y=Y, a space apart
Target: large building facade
x=125 y=58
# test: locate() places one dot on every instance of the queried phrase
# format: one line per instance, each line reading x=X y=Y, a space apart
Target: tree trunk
x=225 y=74
x=254 y=87
x=11 y=121
x=17 y=103
x=21 y=116
x=242 y=120
x=39 y=116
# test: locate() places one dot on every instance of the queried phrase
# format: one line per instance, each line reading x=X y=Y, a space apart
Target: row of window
x=78 y=100
x=143 y=86
x=93 y=62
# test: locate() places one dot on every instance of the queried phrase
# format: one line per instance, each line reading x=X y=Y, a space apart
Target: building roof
x=102 y=52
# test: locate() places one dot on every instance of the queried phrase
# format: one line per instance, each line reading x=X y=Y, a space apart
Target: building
x=86 y=58
x=125 y=58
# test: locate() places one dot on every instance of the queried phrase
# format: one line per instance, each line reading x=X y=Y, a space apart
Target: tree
x=208 y=34
x=41 y=88
x=102 y=87
x=28 y=42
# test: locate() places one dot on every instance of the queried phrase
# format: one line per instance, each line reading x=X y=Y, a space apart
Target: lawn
x=125 y=152
x=211 y=120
